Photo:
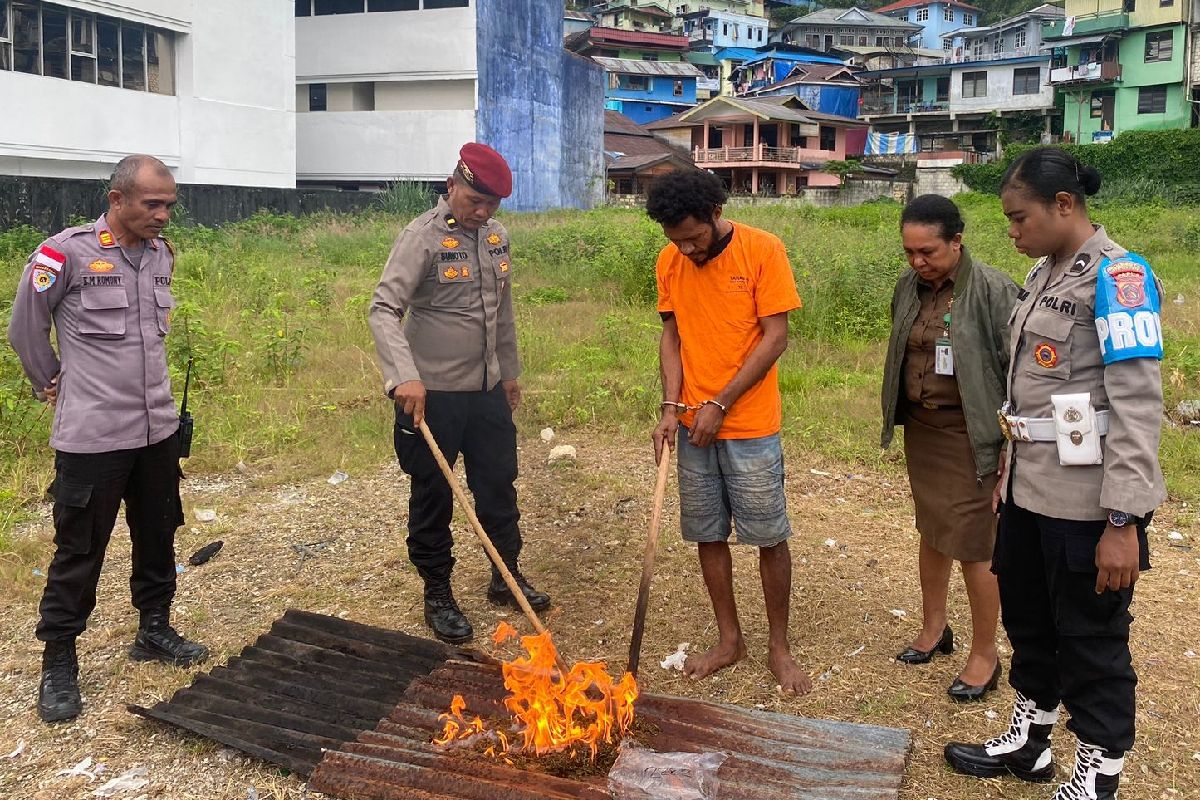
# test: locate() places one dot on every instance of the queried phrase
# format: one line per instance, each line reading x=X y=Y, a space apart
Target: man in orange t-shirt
x=724 y=293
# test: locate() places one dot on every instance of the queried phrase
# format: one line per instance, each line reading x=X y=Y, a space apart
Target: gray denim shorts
x=732 y=483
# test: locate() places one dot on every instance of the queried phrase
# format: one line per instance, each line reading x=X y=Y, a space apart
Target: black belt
x=936 y=407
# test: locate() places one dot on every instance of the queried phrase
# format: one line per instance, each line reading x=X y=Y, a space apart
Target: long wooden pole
x=643 y=600
x=488 y=547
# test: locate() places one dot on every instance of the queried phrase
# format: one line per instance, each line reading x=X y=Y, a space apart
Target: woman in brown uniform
x=943 y=380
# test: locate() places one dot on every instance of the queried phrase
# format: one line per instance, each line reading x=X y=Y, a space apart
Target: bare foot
x=792 y=679
x=716 y=658
x=978 y=669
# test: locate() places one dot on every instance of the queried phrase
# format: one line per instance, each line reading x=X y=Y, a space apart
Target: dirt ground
x=338 y=549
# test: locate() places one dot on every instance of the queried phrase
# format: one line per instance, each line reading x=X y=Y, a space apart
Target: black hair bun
x=1089 y=179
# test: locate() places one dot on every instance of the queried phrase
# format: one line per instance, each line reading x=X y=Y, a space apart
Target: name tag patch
x=1054 y=303
x=1127 y=310
x=453 y=257
x=102 y=280
x=162 y=280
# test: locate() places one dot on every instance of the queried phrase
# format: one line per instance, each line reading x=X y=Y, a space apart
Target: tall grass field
x=273 y=312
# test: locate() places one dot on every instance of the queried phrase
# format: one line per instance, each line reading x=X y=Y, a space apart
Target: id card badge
x=943 y=357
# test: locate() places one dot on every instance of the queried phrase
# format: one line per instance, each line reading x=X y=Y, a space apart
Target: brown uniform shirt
x=922 y=384
x=442 y=312
x=110 y=317
x=1055 y=349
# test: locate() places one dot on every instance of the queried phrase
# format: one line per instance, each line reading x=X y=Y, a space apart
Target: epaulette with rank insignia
x=451 y=222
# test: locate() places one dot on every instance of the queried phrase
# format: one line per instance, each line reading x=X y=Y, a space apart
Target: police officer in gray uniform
x=1083 y=416
x=444 y=330
x=106 y=287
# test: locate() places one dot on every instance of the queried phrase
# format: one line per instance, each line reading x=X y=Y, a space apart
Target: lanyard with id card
x=943 y=355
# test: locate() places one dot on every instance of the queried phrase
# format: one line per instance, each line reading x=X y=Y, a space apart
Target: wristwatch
x=1119 y=519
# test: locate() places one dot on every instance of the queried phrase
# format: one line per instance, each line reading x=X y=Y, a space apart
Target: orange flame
x=551 y=711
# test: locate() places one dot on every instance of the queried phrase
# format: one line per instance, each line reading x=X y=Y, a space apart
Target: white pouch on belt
x=1078 y=435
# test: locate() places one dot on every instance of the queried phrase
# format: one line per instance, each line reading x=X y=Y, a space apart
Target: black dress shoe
x=965 y=693
x=498 y=591
x=945 y=645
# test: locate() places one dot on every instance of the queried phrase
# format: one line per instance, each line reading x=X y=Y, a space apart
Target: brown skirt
x=954 y=512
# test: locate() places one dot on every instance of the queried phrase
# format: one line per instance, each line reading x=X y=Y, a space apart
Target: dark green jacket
x=983 y=301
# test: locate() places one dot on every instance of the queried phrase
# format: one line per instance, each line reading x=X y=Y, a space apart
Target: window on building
x=677 y=90
x=445 y=4
x=794 y=137
x=1152 y=100
x=828 y=137
x=637 y=83
x=54 y=42
x=1160 y=45
x=1130 y=6
x=1019 y=39
x=968 y=19
x=326 y=7
x=1027 y=80
x=26 y=43
x=974 y=84
x=922 y=14
x=948 y=13
x=649 y=56
x=760 y=34
x=879 y=41
x=862 y=41
x=133 y=57
x=977 y=48
x=724 y=28
x=303 y=8
x=900 y=41
x=1099 y=98
x=108 y=42
x=83 y=47
x=5 y=38
x=998 y=44
x=393 y=5
x=943 y=89
x=318 y=97
x=1166 y=3
x=846 y=41
x=160 y=61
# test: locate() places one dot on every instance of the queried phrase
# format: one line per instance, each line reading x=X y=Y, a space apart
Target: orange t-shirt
x=717 y=307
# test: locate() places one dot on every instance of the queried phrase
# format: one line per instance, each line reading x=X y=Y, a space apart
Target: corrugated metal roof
x=638 y=37
x=845 y=17
x=668 y=69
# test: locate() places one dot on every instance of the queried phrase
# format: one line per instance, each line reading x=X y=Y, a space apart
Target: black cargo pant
x=1069 y=643
x=478 y=425
x=88 y=489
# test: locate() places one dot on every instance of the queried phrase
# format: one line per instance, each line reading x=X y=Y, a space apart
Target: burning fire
x=551 y=711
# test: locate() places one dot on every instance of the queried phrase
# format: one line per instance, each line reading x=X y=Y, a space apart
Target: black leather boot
x=443 y=615
x=1023 y=751
x=58 y=692
x=157 y=641
x=498 y=591
x=1096 y=777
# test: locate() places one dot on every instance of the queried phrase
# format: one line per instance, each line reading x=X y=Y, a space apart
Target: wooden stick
x=643 y=600
x=490 y=548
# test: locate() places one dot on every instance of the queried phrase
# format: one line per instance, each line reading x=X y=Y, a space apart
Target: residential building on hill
x=86 y=82
x=719 y=29
x=617 y=43
x=935 y=18
x=1122 y=65
x=831 y=28
x=383 y=96
x=751 y=8
x=762 y=145
x=635 y=16
x=647 y=91
x=576 y=22
x=990 y=72
x=828 y=88
x=635 y=157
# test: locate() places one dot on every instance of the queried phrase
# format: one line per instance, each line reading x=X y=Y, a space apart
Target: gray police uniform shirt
x=442 y=312
x=110 y=318
x=1059 y=347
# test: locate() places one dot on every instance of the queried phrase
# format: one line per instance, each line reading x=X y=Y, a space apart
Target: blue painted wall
x=659 y=88
x=538 y=104
x=937 y=24
x=642 y=112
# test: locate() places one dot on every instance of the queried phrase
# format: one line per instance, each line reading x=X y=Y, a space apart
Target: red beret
x=485 y=169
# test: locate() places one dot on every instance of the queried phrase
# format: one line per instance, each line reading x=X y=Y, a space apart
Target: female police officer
x=1083 y=414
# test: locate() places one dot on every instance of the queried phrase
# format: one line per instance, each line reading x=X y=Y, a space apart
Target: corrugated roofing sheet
x=667 y=69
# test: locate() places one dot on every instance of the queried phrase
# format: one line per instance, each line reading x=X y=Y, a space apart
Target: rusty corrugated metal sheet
x=312 y=682
x=771 y=756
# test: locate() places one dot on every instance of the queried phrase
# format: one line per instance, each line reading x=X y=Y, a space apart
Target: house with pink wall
x=762 y=145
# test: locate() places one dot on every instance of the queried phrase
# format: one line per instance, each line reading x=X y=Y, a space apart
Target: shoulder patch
x=1034 y=270
x=1081 y=264
x=1127 y=309
x=49 y=258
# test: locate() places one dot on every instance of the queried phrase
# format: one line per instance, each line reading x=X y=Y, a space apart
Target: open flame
x=551 y=711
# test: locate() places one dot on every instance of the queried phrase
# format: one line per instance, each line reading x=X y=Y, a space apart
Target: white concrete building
x=383 y=96
x=205 y=85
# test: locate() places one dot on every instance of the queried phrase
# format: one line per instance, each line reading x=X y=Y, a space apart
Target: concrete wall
x=229 y=120
x=1000 y=95
x=934 y=178
x=538 y=104
x=49 y=204
x=852 y=193
x=373 y=146
x=397 y=45
x=422 y=65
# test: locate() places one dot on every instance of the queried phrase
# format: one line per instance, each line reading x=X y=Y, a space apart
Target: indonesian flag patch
x=49 y=258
